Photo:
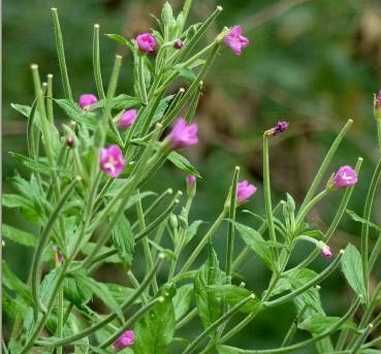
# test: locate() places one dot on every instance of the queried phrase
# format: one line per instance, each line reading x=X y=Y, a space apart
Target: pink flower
x=112 y=161
x=125 y=340
x=86 y=100
x=128 y=118
x=191 y=180
x=344 y=177
x=326 y=251
x=183 y=134
x=235 y=40
x=146 y=42
x=279 y=128
x=245 y=191
x=377 y=101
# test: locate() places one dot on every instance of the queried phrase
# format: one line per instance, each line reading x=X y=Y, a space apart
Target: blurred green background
x=314 y=63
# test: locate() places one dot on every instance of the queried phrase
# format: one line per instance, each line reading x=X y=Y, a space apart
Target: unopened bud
x=377 y=106
x=70 y=142
x=178 y=44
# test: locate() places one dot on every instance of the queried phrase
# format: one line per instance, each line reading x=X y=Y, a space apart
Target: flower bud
x=377 y=106
x=127 y=119
x=245 y=191
x=344 y=177
x=146 y=43
x=125 y=340
x=235 y=40
x=183 y=134
x=178 y=44
x=70 y=141
x=87 y=100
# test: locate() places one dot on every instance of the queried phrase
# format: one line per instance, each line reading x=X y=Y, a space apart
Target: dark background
x=314 y=63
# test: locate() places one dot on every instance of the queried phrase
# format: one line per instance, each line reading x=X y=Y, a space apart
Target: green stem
x=97 y=63
x=131 y=300
x=200 y=246
x=326 y=162
x=368 y=207
x=61 y=55
x=320 y=277
x=130 y=322
x=193 y=345
x=147 y=250
x=232 y=214
x=35 y=269
x=308 y=207
x=49 y=101
x=267 y=190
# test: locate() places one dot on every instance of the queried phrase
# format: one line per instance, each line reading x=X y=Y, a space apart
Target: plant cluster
x=87 y=193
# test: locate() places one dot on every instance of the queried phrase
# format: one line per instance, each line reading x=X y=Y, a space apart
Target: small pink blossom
x=86 y=100
x=245 y=191
x=128 y=118
x=183 y=134
x=279 y=128
x=146 y=42
x=326 y=251
x=377 y=101
x=235 y=40
x=112 y=161
x=344 y=177
x=125 y=340
x=191 y=180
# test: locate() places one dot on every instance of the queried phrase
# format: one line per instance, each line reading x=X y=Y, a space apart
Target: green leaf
x=21 y=237
x=22 y=108
x=361 y=220
x=182 y=300
x=121 y=40
x=154 y=332
x=12 y=282
x=162 y=107
x=76 y=292
x=351 y=266
x=209 y=306
x=100 y=290
x=74 y=112
x=319 y=323
x=192 y=229
x=123 y=240
x=254 y=240
x=183 y=164
x=233 y=294
x=120 y=293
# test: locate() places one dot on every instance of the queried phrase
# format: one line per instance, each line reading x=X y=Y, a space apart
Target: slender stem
x=368 y=207
x=110 y=317
x=35 y=269
x=49 y=96
x=291 y=348
x=326 y=162
x=97 y=63
x=356 y=347
x=130 y=322
x=61 y=55
x=267 y=190
x=320 y=277
x=193 y=345
x=188 y=317
x=204 y=241
x=147 y=250
x=307 y=208
x=232 y=214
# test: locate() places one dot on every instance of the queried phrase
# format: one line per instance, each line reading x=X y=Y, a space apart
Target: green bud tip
x=370 y=325
x=252 y=296
x=242 y=284
x=118 y=57
x=237 y=168
x=219 y=8
x=34 y=67
x=341 y=252
x=78 y=178
x=54 y=9
x=96 y=26
x=161 y=255
x=170 y=191
x=44 y=84
x=159 y=125
x=160 y=299
x=50 y=76
x=177 y=201
x=180 y=193
x=181 y=90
